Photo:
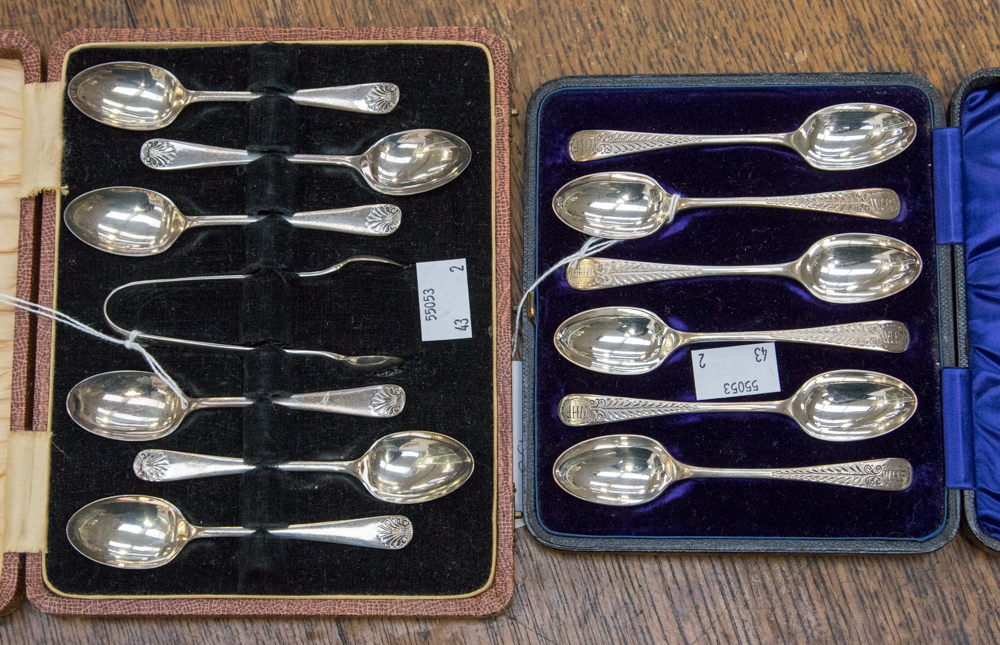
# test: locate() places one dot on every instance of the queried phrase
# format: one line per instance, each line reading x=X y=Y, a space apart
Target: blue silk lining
x=981 y=170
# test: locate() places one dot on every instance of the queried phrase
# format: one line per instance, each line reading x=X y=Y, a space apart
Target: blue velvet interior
x=980 y=167
x=741 y=508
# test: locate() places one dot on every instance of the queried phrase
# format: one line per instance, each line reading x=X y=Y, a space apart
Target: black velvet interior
x=364 y=309
x=724 y=507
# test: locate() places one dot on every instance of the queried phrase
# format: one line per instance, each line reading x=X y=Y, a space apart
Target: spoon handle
x=590 y=274
x=376 y=220
x=874 y=203
x=874 y=474
x=877 y=335
x=369 y=98
x=377 y=401
x=588 y=145
x=383 y=532
x=172 y=466
x=594 y=409
x=169 y=154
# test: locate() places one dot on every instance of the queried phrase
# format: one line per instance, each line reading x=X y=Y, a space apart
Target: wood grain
x=948 y=596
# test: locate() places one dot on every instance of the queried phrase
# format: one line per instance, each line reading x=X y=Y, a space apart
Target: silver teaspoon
x=140 y=96
x=400 y=468
x=140 y=532
x=628 y=205
x=628 y=470
x=629 y=340
x=404 y=163
x=130 y=221
x=842 y=405
x=839 y=137
x=139 y=406
x=847 y=268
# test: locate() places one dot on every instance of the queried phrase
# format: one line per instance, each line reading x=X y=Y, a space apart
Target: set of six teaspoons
x=401 y=468
x=841 y=405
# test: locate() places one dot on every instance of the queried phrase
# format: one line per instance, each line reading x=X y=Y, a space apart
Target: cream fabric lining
x=42 y=138
x=11 y=111
x=27 y=492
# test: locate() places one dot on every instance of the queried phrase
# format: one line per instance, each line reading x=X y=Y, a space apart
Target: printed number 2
x=456 y=268
x=462 y=324
x=701 y=360
x=760 y=354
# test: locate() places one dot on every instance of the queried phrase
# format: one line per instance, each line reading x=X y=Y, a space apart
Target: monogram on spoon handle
x=604 y=273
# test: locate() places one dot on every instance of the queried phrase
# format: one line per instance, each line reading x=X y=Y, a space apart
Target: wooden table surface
x=952 y=595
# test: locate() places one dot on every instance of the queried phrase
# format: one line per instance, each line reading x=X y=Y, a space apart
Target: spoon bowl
x=629 y=470
x=125 y=221
x=126 y=405
x=413 y=161
x=629 y=340
x=134 y=96
x=630 y=205
x=857 y=267
x=848 y=405
x=414 y=467
x=130 y=531
x=850 y=136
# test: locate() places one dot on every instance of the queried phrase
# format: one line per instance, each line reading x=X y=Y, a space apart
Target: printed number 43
x=462 y=324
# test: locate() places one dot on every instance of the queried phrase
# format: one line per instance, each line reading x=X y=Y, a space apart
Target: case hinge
x=948 y=186
x=27 y=492
x=959 y=448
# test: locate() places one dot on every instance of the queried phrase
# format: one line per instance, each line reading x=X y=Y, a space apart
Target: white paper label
x=518 y=442
x=443 y=290
x=740 y=370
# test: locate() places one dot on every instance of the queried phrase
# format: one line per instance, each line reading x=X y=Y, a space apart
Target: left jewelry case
x=284 y=260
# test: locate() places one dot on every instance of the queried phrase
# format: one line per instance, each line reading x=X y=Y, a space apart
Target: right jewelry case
x=775 y=330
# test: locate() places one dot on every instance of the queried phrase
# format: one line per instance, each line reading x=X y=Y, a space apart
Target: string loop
x=592 y=246
x=127 y=343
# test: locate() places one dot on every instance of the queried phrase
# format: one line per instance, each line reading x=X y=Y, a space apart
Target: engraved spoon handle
x=173 y=466
x=874 y=203
x=376 y=401
x=874 y=474
x=588 y=145
x=375 y=219
x=382 y=532
x=170 y=154
x=370 y=98
x=877 y=335
x=594 y=409
x=589 y=274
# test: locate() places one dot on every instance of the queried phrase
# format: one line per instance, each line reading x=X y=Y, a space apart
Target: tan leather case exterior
x=16 y=45
x=494 y=598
